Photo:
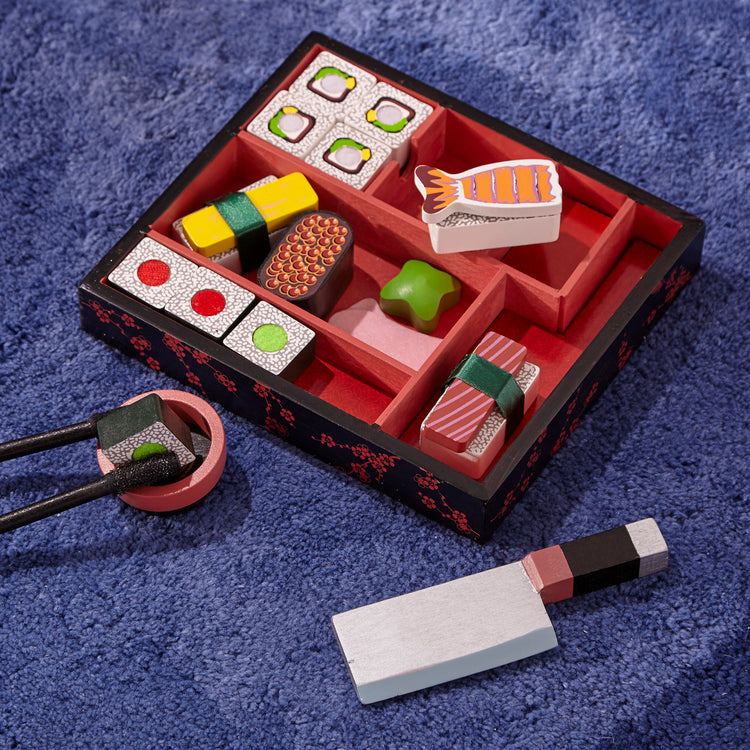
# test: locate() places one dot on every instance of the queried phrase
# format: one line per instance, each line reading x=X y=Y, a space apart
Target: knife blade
x=487 y=619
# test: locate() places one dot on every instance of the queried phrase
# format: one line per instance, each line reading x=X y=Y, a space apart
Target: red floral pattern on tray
x=280 y=424
x=671 y=285
x=369 y=466
x=189 y=357
x=121 y=321
x=435 y=501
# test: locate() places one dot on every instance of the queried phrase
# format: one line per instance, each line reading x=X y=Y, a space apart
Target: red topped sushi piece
x=312 y=264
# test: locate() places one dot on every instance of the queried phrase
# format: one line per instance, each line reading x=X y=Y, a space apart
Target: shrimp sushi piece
x=513 y=189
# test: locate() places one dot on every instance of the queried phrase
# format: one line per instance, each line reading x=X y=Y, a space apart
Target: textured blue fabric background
x=211 y=628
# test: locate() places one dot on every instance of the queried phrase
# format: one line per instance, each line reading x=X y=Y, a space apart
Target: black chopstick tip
x=155 y=469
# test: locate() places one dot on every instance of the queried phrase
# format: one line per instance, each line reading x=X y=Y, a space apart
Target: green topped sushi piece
x=144 y=428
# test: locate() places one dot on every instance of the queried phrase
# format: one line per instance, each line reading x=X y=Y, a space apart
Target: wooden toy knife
x=488 y=619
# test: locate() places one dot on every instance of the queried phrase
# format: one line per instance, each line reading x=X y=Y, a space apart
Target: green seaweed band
x=243 y=218
x=496 y=383
x=395 y=128
x=273 y=126
x=339 y=142
x=329 y=71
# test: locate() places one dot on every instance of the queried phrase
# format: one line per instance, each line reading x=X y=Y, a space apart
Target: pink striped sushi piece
x=456 y=418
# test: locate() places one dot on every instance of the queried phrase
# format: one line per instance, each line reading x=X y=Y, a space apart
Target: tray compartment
x=451 y=142
x=335 y=114
x=548 y=350
x=555 y=263
x=433 y=374
x=594 y=226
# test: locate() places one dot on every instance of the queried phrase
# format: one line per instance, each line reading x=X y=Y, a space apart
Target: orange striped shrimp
x=521 y=188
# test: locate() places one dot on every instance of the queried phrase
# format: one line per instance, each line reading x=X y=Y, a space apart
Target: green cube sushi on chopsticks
x=144 y=428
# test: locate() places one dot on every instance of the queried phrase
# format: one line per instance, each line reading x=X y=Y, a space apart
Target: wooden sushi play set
x=411 y=290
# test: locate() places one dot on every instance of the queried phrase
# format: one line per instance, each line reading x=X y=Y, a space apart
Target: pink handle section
x=456 y=418
x=550 y=574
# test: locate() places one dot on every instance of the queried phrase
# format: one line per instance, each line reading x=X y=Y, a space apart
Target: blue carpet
x=120 y=629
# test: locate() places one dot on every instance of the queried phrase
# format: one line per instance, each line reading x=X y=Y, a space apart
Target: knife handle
x=593 y=562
